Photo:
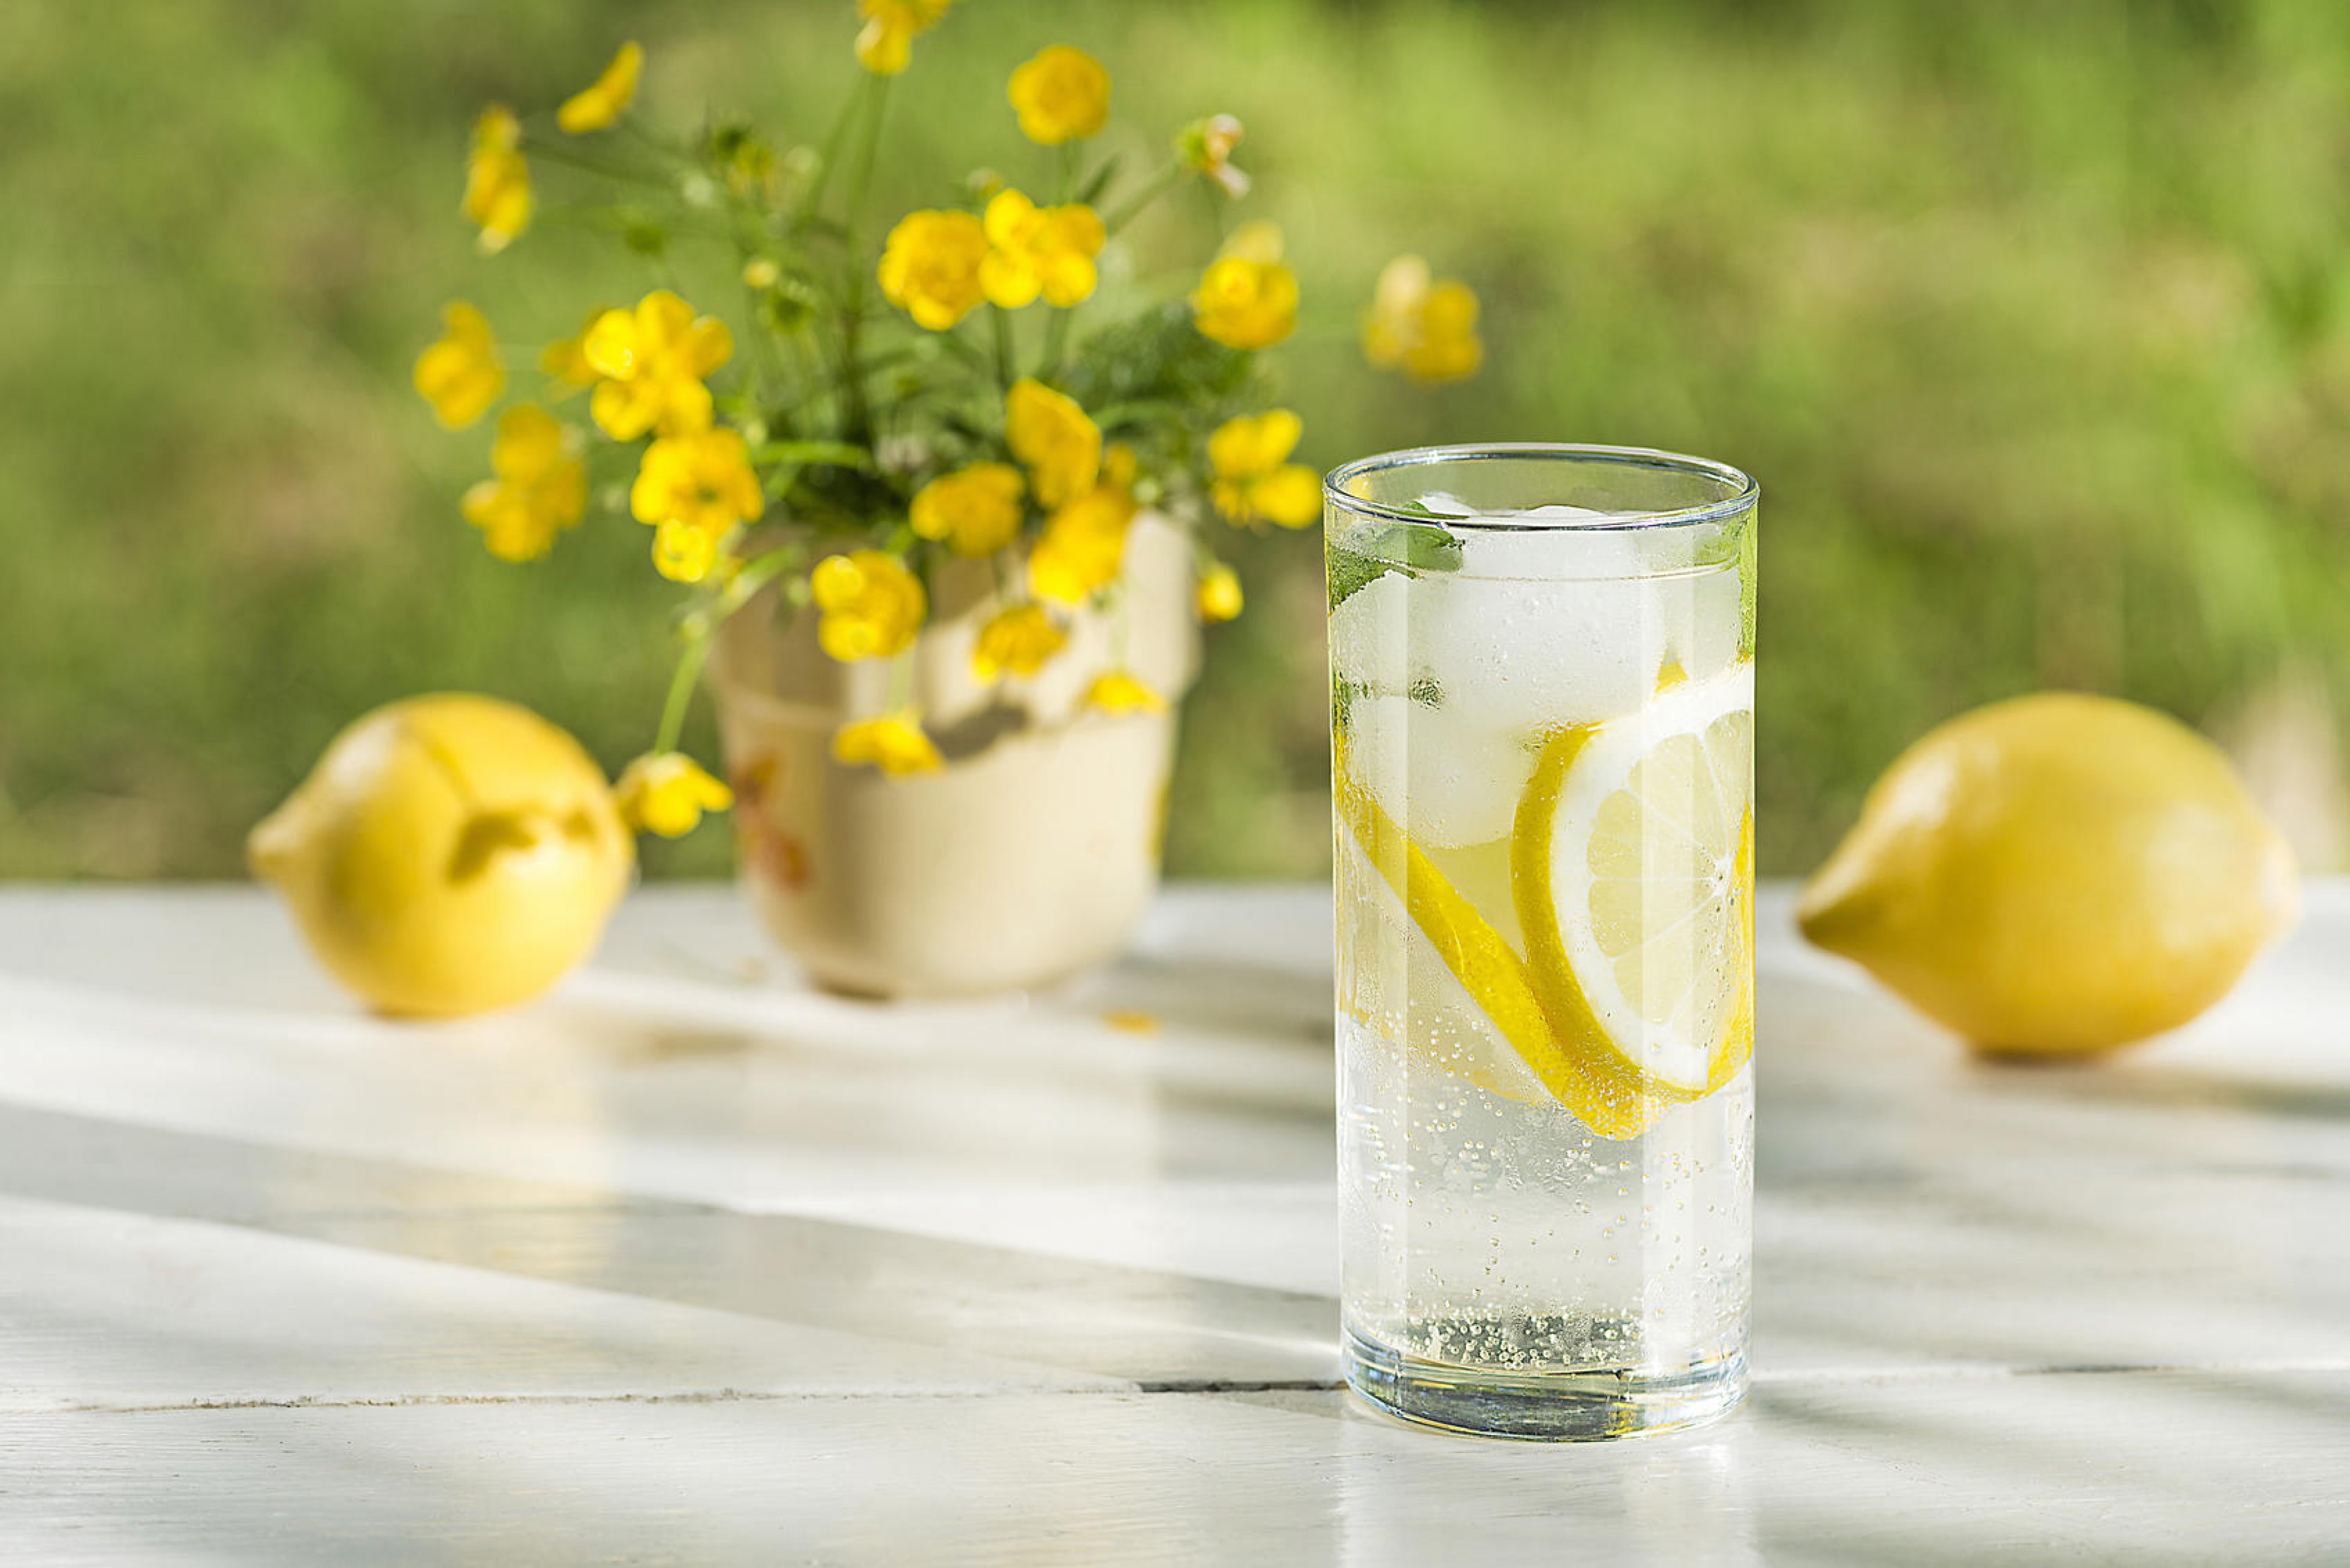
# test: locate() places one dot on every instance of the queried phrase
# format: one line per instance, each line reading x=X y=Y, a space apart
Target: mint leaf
x=1410 y=548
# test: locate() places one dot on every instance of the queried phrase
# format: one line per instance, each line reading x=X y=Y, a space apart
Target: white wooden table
x=686 y=1264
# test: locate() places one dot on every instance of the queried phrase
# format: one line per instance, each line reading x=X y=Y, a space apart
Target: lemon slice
x=1631 y=865
x=1395 y=983
x=1498 y=986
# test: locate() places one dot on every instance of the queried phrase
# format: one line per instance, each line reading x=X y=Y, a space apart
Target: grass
x=2035 y=326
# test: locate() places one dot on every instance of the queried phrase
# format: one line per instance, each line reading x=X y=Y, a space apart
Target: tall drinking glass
x=1541 y=721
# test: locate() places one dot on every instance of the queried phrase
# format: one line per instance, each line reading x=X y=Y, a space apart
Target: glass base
x=1559 y=1406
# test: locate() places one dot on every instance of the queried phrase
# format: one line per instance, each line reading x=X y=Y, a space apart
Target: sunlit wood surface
x=688 y=1264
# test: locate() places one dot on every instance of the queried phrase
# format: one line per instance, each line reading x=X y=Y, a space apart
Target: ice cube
x=1703 y=621
x=1518 y=654
x=1497 y=549
x=1447 y=778
x=1371 y=638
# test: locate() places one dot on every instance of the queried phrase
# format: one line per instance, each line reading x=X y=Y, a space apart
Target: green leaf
x=1410 y=548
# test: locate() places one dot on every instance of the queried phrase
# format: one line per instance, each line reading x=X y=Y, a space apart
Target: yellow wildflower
x=652 y=359
x=540 y=486
x=886 y=44
x=602 y=100
x=1205 y=146
x=460 y=374
x=566 y=358
x=870 y=604
x=894 y=743
x=1016 y=641
x=1254 y=481
x=1220 y=594
x=1049 y=432
x=665 y=792
x=931 y=266
x=976 y=509
x=1062 y=95
x=683 y=552
x=497 y=180
x=1247 y=298
x=1034 y=250
x=1119 y=692
x=1083 y=546
x=761 y=273
x=1424 y=325
x=701 y=482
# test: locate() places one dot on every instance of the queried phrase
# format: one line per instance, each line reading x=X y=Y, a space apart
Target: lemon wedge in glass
x=1491 y=976
x=1631 y=865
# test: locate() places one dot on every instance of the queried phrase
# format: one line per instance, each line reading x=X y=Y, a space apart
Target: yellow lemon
x=2055 y=875
x=448 y=855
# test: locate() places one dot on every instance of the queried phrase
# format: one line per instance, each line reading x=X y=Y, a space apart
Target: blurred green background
x=2034 y=321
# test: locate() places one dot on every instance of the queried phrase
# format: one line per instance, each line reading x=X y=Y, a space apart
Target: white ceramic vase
x=1027 y=858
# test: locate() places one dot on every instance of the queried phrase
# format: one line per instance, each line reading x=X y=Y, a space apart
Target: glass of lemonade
x=1542 y=720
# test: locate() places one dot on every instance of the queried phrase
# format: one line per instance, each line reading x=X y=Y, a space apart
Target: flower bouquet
x=944 y=518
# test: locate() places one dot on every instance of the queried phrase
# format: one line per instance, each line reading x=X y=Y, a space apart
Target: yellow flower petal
x=885 y=46
x=976 y=509
x=702 y=479
x=869 y=605
x=1425 y=327
x=1220 y=594
x=684 y=552
x=653 y=359
x=1290 y=496
x=667 y=793
x=894 y=742
x=931 y=267
x=607 y=97
x=1017 y=642
x=1119 y=692
x=1047 y=432
x=519 y=518
x=461 y=375
x=1258 y=241
x=1035 y=250
x=1061 y=95
x=497 y=180
x=1083 y=547
x=1244 y=303
x=566 y=359
x=1252 y=445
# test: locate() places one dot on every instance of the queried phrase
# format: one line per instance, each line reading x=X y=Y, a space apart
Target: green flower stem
x=1067 y=154
x=556 y=153
x=1057 y=343
x=636 y=128
x=702 y=626
x=1155 y=187
x=835 y=139
x=767 y=356
x=859 y=422
x=1001 y=320
x=690 y=660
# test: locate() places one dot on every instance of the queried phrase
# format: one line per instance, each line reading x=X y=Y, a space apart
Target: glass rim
x=1744 y=495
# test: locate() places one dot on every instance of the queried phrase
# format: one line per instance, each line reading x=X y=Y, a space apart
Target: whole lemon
x=448 y=855
x=2055 y=875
